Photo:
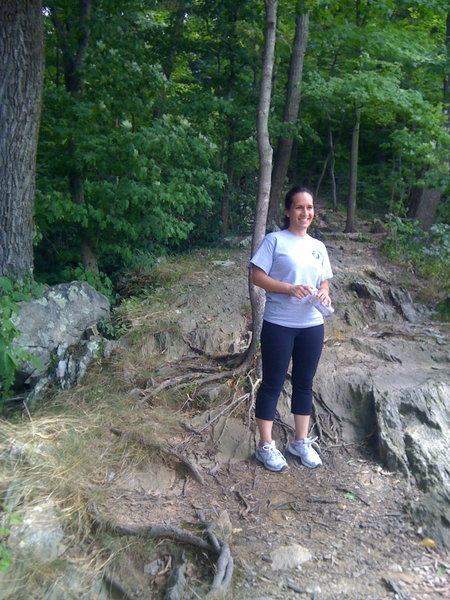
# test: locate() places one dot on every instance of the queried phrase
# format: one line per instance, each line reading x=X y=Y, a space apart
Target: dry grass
x=66 y=453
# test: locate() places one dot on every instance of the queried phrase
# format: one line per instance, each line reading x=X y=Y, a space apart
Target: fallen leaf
x=427 y=543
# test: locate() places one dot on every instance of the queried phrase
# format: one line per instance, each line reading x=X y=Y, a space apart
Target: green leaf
x=350 y=496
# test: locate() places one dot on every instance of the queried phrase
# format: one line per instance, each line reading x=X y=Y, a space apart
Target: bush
x=428 y=252
x=11 y=294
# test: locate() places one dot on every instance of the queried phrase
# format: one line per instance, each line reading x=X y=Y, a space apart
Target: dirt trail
x=349 y=514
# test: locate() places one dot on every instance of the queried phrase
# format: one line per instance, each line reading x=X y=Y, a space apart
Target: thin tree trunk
x=424 y=201
x=21 y=75
x=230 y=180
x=322 y=174
x=351 y=207
x=265 y=166
x=74 y=43
x=291 y=109
x=230 y=146
x=332 y=162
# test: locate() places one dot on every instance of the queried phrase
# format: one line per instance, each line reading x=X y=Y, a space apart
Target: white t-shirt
x=300 y=260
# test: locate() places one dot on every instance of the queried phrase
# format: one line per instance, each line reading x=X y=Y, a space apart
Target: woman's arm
x=324 y=293
x=264 y=281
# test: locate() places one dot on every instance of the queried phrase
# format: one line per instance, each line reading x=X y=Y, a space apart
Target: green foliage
x=99 y=281
x=12 y=293
x=6 y=553
x=161 y=132
x=428 y=252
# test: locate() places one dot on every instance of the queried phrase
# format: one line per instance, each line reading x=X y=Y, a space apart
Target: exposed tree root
x=230 y=359
x=326 y=421
x=184 y=380
x=217 y=416
x=225 y=563
x=162 y=448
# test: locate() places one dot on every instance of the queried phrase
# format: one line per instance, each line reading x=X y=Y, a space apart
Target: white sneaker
x=271 y=458
x=305 y=451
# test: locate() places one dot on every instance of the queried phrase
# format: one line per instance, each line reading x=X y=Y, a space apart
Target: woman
x=292 y=267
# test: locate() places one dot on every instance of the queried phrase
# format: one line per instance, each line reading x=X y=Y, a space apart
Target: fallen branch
x=160 y=447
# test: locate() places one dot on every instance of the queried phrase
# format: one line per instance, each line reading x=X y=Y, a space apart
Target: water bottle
x=325 y=311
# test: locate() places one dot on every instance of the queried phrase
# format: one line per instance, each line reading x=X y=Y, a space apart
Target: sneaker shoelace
x=312 y=443
x=273 y=450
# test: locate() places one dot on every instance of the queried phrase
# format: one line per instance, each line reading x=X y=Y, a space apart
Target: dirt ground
x=349 y=517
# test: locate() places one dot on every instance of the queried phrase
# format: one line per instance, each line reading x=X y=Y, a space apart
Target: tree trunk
x=332 y=174
x=293 y=96
x=322 y=174
x=265 y=166
x=21 y=73
x=423 y=201
x=230 y=179
x=231 y=122
x=73 y=39
x=423 y=204
x=351 y=207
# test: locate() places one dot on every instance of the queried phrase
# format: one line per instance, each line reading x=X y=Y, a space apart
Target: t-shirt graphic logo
x=316 y=254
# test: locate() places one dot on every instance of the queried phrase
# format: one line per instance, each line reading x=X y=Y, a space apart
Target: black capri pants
x=278 y=345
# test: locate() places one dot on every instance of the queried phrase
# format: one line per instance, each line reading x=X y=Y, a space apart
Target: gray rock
x=58 y=320
x=39 y=536
x=59 y=331
x=75 y=584
x=367 y=289
x=289 y=557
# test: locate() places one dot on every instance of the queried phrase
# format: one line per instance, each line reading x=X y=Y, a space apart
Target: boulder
x=39 y=535
x=59 y=331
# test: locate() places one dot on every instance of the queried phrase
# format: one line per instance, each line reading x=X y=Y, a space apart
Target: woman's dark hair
x=290 y=196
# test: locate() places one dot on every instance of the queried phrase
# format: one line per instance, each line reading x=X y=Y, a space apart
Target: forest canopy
x=148 y=129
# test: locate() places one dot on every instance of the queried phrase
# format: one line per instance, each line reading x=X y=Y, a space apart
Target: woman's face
x=301 y=213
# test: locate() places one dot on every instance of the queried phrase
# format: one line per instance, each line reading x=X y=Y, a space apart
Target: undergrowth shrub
x=428 y=252
x=12 y=293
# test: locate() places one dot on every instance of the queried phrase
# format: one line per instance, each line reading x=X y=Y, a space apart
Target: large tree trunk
x=21 y=72
x=351 y=207
x=73 y=38
x=265 y=166
x=423 y=202
x=293 y=95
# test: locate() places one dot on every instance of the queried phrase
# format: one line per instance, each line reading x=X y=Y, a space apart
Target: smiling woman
x=291 y=267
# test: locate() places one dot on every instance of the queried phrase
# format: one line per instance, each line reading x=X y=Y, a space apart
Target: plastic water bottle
x=325 y=311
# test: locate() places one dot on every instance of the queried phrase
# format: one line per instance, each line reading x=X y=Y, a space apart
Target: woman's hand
x=300 y=291
x=324 y=296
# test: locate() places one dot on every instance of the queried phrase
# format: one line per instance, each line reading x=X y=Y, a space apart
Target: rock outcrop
x=59 y=331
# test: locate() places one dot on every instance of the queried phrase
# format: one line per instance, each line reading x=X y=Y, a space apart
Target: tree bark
x=291 y=109
x=423 y=204
x=21 y=76
x=351 y=207
x=265 y=166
